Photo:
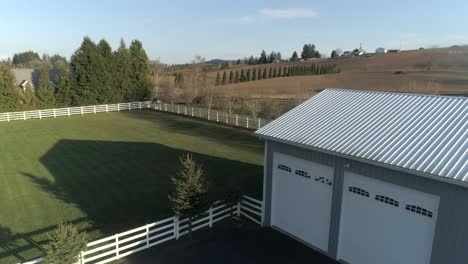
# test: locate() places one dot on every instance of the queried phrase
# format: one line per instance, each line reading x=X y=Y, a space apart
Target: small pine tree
x=223 y=82
x=254 y=74
x=259 y=77
x=242 y=76
x=63 y=96
x=264 y=76
x=189 y=197
x=248 y=77
x=286 y=72
x=218 y=79
x=270 y=73
x=231 y=76
x=65 y=245
x=274 y=73
x=236 y=79
x=280 y=72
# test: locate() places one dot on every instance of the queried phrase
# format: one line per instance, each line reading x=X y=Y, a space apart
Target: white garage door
x=385 y=223
x=302 y=197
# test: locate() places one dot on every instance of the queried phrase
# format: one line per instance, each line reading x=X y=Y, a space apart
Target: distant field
x=108 y=172
x=415 y=70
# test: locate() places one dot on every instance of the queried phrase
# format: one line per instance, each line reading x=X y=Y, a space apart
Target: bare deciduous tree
x=158 y=73
x=253 y=105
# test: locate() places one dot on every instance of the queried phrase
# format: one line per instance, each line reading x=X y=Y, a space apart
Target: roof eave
x=375 y=163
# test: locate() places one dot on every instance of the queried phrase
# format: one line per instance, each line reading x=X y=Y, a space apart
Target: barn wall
x=451 y=234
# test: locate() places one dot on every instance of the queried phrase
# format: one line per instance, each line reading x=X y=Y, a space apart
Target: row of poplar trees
x=95 y=75
x=274 y=72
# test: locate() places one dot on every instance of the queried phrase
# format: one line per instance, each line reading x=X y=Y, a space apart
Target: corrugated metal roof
x=422 y=133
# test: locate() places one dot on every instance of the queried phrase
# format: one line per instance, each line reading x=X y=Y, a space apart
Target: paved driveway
x=227 y=244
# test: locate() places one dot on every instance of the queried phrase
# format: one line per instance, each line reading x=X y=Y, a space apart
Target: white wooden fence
x=213 y=115
x=69 y=111
x=123 y=244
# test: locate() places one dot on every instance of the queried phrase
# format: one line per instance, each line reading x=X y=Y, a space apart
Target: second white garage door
x=385 y=223
x=302 y=198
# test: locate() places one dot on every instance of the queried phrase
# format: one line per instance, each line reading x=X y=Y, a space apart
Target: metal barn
x=371 y=177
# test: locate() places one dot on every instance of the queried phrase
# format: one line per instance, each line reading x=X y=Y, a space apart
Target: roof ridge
x=397 y=93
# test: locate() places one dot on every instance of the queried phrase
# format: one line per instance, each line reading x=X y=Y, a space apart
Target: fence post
x=129 y=106
x=178 y=109
x=94 y=109
x=81 y=258
x=68 y=110
x=107 y=108
x=55 y=115
x=209 y=115
x=147 y=236
x=118 y=107
x=247 y=121
x=117 y=246
x=139 y=105
x=237 y=120
x=185 y=110
x=165 y=107
x=258 y=123
x=238 y=209
x=81 y=110
x=217 y=116
x=40 y=115
x=24 y=115
x=227 y=118
x=176 y=227
x=199 y=112
x=8 y=116
x=211 y=216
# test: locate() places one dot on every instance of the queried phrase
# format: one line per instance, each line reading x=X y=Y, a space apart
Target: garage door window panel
x=419 y=210
x=284 y=168
x=359 y=191
x=387 y=200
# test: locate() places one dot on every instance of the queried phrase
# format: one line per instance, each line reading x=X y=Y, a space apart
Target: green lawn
x=109 y=172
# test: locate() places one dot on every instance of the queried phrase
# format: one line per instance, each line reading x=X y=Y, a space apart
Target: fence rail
x=70 y=111
x=213 y=115
x=126 y=243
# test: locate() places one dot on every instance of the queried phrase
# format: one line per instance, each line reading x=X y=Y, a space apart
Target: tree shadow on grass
x=120 y=185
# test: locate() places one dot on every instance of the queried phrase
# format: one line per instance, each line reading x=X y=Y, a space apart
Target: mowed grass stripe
x=109 y=172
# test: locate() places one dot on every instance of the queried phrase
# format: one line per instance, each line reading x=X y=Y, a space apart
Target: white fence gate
x=69 y=111
x=123 y=244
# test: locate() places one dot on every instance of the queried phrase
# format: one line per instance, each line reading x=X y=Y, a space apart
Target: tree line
x=274 y=72
x=95 y=75
x=309 y=51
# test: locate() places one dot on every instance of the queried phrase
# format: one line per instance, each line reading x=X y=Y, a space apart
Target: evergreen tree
x=231 y=76
x=65 y=244
x=189 y=197
x=141 y=83
x=223 y=82
x=248 y=77
x=106 y=74
x=308 y=52
x=84 y=80
x=242 y=76
x=294 y=57
x=264 y=76
x=254 y=74
x=9 y=96
x=274 y=72
x=285 y=72
x=270 y=73
x=263 y=58
x=29 y=98
x=218 y=79
x=63 y=96
x=45 y=91
x=123 y=68
x=236 y=79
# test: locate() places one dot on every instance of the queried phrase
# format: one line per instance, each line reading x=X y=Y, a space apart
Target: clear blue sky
x=175 y=31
